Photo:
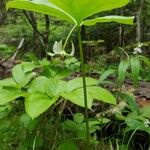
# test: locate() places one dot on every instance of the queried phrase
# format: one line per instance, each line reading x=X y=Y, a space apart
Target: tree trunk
x=121 y=31
x=2 y=12
x=138 y=19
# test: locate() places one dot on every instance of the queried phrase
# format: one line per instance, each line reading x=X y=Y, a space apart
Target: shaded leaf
x=135 y=69
x=78 y=117
x=105 y=75
x=131 y=101
x=123 y=66
x=68 y=145
x=27 y=122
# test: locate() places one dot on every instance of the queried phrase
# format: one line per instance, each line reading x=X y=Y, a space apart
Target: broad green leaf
x=55 y=87
x=81 y=9
x=123 y=66
x=38 y=84
x=77 y=97
x=56 y=72
x=74 y=11
x=78 y=83
x=118 y=19
x=134 y=122
x=9 y=94
x=9 y=82
x=61 y=73
x=20 y=76
x=40 y=6
x=37 y=103
x=28 y=66
x=135 y=69
x=101 y=94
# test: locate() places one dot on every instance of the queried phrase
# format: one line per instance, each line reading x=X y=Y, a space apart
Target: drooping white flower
x=140 y=45
x=146 y=123
x=58 y=50
x=138 y=49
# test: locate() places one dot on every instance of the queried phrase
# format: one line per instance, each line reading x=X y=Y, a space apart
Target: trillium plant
x=76 y=12
x=58 y=50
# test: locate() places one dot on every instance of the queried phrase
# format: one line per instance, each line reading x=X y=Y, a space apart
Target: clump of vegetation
x=60 y=101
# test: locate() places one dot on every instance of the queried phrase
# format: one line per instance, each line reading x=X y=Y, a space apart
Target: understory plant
x=132 y=118
x=40 y=92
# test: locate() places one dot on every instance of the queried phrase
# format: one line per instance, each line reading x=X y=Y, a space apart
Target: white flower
x=140 y=45
x=137 y=50
x=34 y=73
x=118 y=108
x=146 y=123
x=58 y=50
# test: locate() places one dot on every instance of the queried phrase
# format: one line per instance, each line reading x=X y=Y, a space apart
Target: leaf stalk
x=84 y=87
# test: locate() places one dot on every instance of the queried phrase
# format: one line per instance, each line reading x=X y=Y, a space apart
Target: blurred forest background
x=27 y=36
x=37 y=33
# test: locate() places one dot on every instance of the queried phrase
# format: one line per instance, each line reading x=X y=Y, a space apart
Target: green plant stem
x=131 y=138
x=84 y=88
x=68 y=37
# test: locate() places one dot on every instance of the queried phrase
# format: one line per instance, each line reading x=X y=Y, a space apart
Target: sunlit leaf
x=38 y=84
x=101 y=94
x=20 y=76
x=55 y=87
x=78 y=83
x=41 y=6
x=37 y=103
x=118 y=19
x=28 y=66
x=9 y=94
x=9 y=82
x=74 y=11
x=81 y=9
x=77 y=97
